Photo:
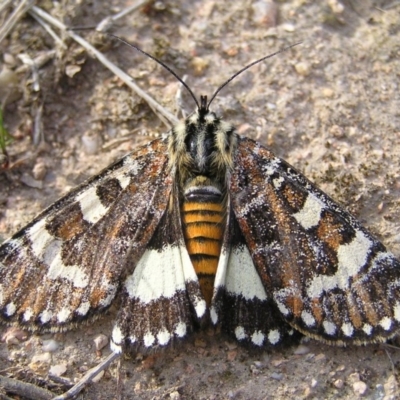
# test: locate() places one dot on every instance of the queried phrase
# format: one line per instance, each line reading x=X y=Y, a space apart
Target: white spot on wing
x=10 y=309
x=200 y=307
x=180 y=329
x=347 y=329
x=123 y=180
x=274 y=336
x=63 y=314
x=163 y=337
x=351 y=258
x=396 y=311
x=330 y=327
x=28 y=314
x=258 y=338
x=83 y=308
x=148 y=339
x=272 y=166
x=91 y=207
x=46 y=316
x=310 y=213
x=308 y=318
x=240 y=333
x=385 y=323
x=367 y=328
x=242 y=277
x=213 y=315
x=117 y=335
x=282 y=308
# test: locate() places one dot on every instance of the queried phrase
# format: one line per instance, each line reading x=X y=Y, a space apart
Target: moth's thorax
x=202 y=145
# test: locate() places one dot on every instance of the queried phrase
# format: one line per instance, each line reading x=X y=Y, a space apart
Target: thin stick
x=18 y=13
x=168 y=118
x=25 y=389
x=107 y=22
x=88 y=378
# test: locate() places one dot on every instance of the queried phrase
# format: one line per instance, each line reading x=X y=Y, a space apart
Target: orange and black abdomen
x=203 y=229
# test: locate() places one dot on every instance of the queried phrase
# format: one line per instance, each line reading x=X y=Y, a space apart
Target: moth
x=201 y=227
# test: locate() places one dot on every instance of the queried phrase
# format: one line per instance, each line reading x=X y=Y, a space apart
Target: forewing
x=68 y=263
x=328 y=276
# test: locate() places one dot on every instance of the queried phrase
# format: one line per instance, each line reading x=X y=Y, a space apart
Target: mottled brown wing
x=329 y=278
x=70 y=261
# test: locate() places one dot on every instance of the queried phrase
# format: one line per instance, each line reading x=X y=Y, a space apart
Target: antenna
x=247 y=67
x=158 y=62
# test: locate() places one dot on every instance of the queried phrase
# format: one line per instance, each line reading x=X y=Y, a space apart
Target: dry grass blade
x=168 y=118
x=18 y=13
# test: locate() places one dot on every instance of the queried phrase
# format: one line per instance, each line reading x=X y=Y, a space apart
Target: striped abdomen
x=203 y=229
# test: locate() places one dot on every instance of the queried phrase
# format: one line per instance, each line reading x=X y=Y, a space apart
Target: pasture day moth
x=201 y=227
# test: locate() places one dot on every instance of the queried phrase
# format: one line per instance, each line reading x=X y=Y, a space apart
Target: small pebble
x=50 y=345
x=31 y=182
x=339 y=383
x=265 y=12
x=91 y=143
x=39 y=171
x=277 y=376
x=303 y=68
x=71 y=70
x=314 y=383
x=58 y=370
x=341 y=368
x=336 y=6
x=360 y=388
x=301 y=350
x=100 y=341
x=175 y=395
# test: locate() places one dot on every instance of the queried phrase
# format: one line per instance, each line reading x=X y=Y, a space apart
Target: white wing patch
x=91 y=206
x=158 y=274
x=351 y=258
x=310 y=213
x=242 y=277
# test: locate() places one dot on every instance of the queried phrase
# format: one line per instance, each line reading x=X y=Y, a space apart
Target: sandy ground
x=329 y=106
